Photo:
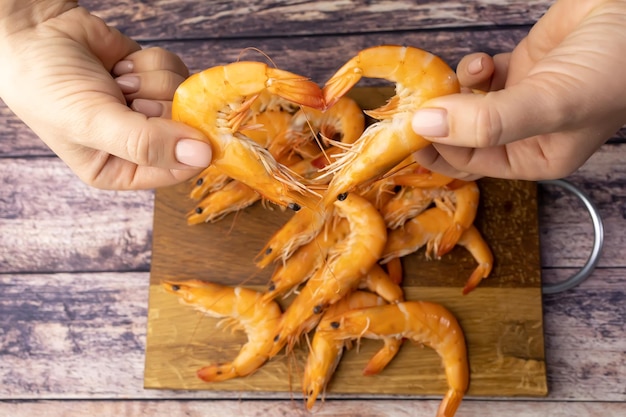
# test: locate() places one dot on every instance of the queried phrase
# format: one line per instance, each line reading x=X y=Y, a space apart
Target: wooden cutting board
x=502 y=318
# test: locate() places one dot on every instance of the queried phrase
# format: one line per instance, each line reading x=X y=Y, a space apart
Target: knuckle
x=141 y=149
x=488 y=127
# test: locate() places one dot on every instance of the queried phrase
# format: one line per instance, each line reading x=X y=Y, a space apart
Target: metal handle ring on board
x=598 y=241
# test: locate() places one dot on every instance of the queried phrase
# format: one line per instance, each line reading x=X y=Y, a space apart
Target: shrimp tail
x=295 y=88
x=450 y=403
x=383 y=357
x=449 y=239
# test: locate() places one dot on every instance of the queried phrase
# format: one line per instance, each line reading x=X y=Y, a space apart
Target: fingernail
x=123 y=67
x=148 y=107
x=431 y=122
x=476 y=66
x=128 y=83
x=193 y=153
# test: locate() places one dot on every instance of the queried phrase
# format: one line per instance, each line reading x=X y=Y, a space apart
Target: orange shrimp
x=269 y=114
x=216 y=101
x=300 y=229
x=424 y=323
x=406 y=204
x=326 y=351
x=232 y=197
x=419 y=76
x=305 y=260
x=427 y=229
x=347 y=263
x=311 y=130
x=258 y=319
x=461 y=198
x=209 y=180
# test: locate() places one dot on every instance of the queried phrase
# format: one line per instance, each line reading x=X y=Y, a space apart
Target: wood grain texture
x=189 y=19
x=68 y=226
x=54 y=222
x=505 y=344
x=353 y=408
x=79 y=337
x=83 y=335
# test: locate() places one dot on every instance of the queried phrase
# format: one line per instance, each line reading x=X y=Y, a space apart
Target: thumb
x=529 y=108
x=146 y=141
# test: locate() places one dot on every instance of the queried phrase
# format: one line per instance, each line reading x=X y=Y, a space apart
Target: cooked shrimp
x=216 y=101
x=305 y=260
x=347 y=263
x=427 y=229
x=300 y=229
x=232 y=197
x=461 y=198
x=419 y=76
x=311 y=130
x=209 y=180
x=425 y=323
x=406 y=204
x=326 y=351
x=257 y=318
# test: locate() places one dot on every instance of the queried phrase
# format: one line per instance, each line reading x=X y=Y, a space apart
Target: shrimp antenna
x=252 y=48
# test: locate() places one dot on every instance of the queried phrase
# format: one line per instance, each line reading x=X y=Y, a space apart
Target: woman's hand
x=553 y=101
x=71 y=79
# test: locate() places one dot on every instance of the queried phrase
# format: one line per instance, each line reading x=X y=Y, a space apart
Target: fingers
x=482 y=72
x=145 y=141
x=475 y=71
x=150 y=74
x=153 y=85
x=529 y=108
x=119 y=174
x=151 y=59
x=152 y=108
x=430 y=158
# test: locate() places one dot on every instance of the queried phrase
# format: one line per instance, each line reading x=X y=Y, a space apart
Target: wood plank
x=68 y=226
x=226 y=19
x=506 y=356
x=354 y=408
x=94 y=326
x=51 y=221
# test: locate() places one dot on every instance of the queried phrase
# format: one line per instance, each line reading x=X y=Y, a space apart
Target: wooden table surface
x=75 y=261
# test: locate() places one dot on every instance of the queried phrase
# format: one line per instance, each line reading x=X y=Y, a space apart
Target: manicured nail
x=148 y=107
x=193 y=153
x=431 y=122
x=123 y=67
x=128 y=83
x=476 y=66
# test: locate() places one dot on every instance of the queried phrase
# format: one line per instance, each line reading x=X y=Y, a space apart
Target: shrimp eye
x=342 y=196
x=271 y=287
x=334 y=324
x=276 y=338
x=175 y=287
x=198 y=210
x=268 y=251
x=199 y=182
x=294 y=206
x=317 y=309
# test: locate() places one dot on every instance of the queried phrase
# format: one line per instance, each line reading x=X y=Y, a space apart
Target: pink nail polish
x=193 y=153
x=476 y=66
x=148 y=107
x=431 y=122
x=128 y=83
x=123 y=67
